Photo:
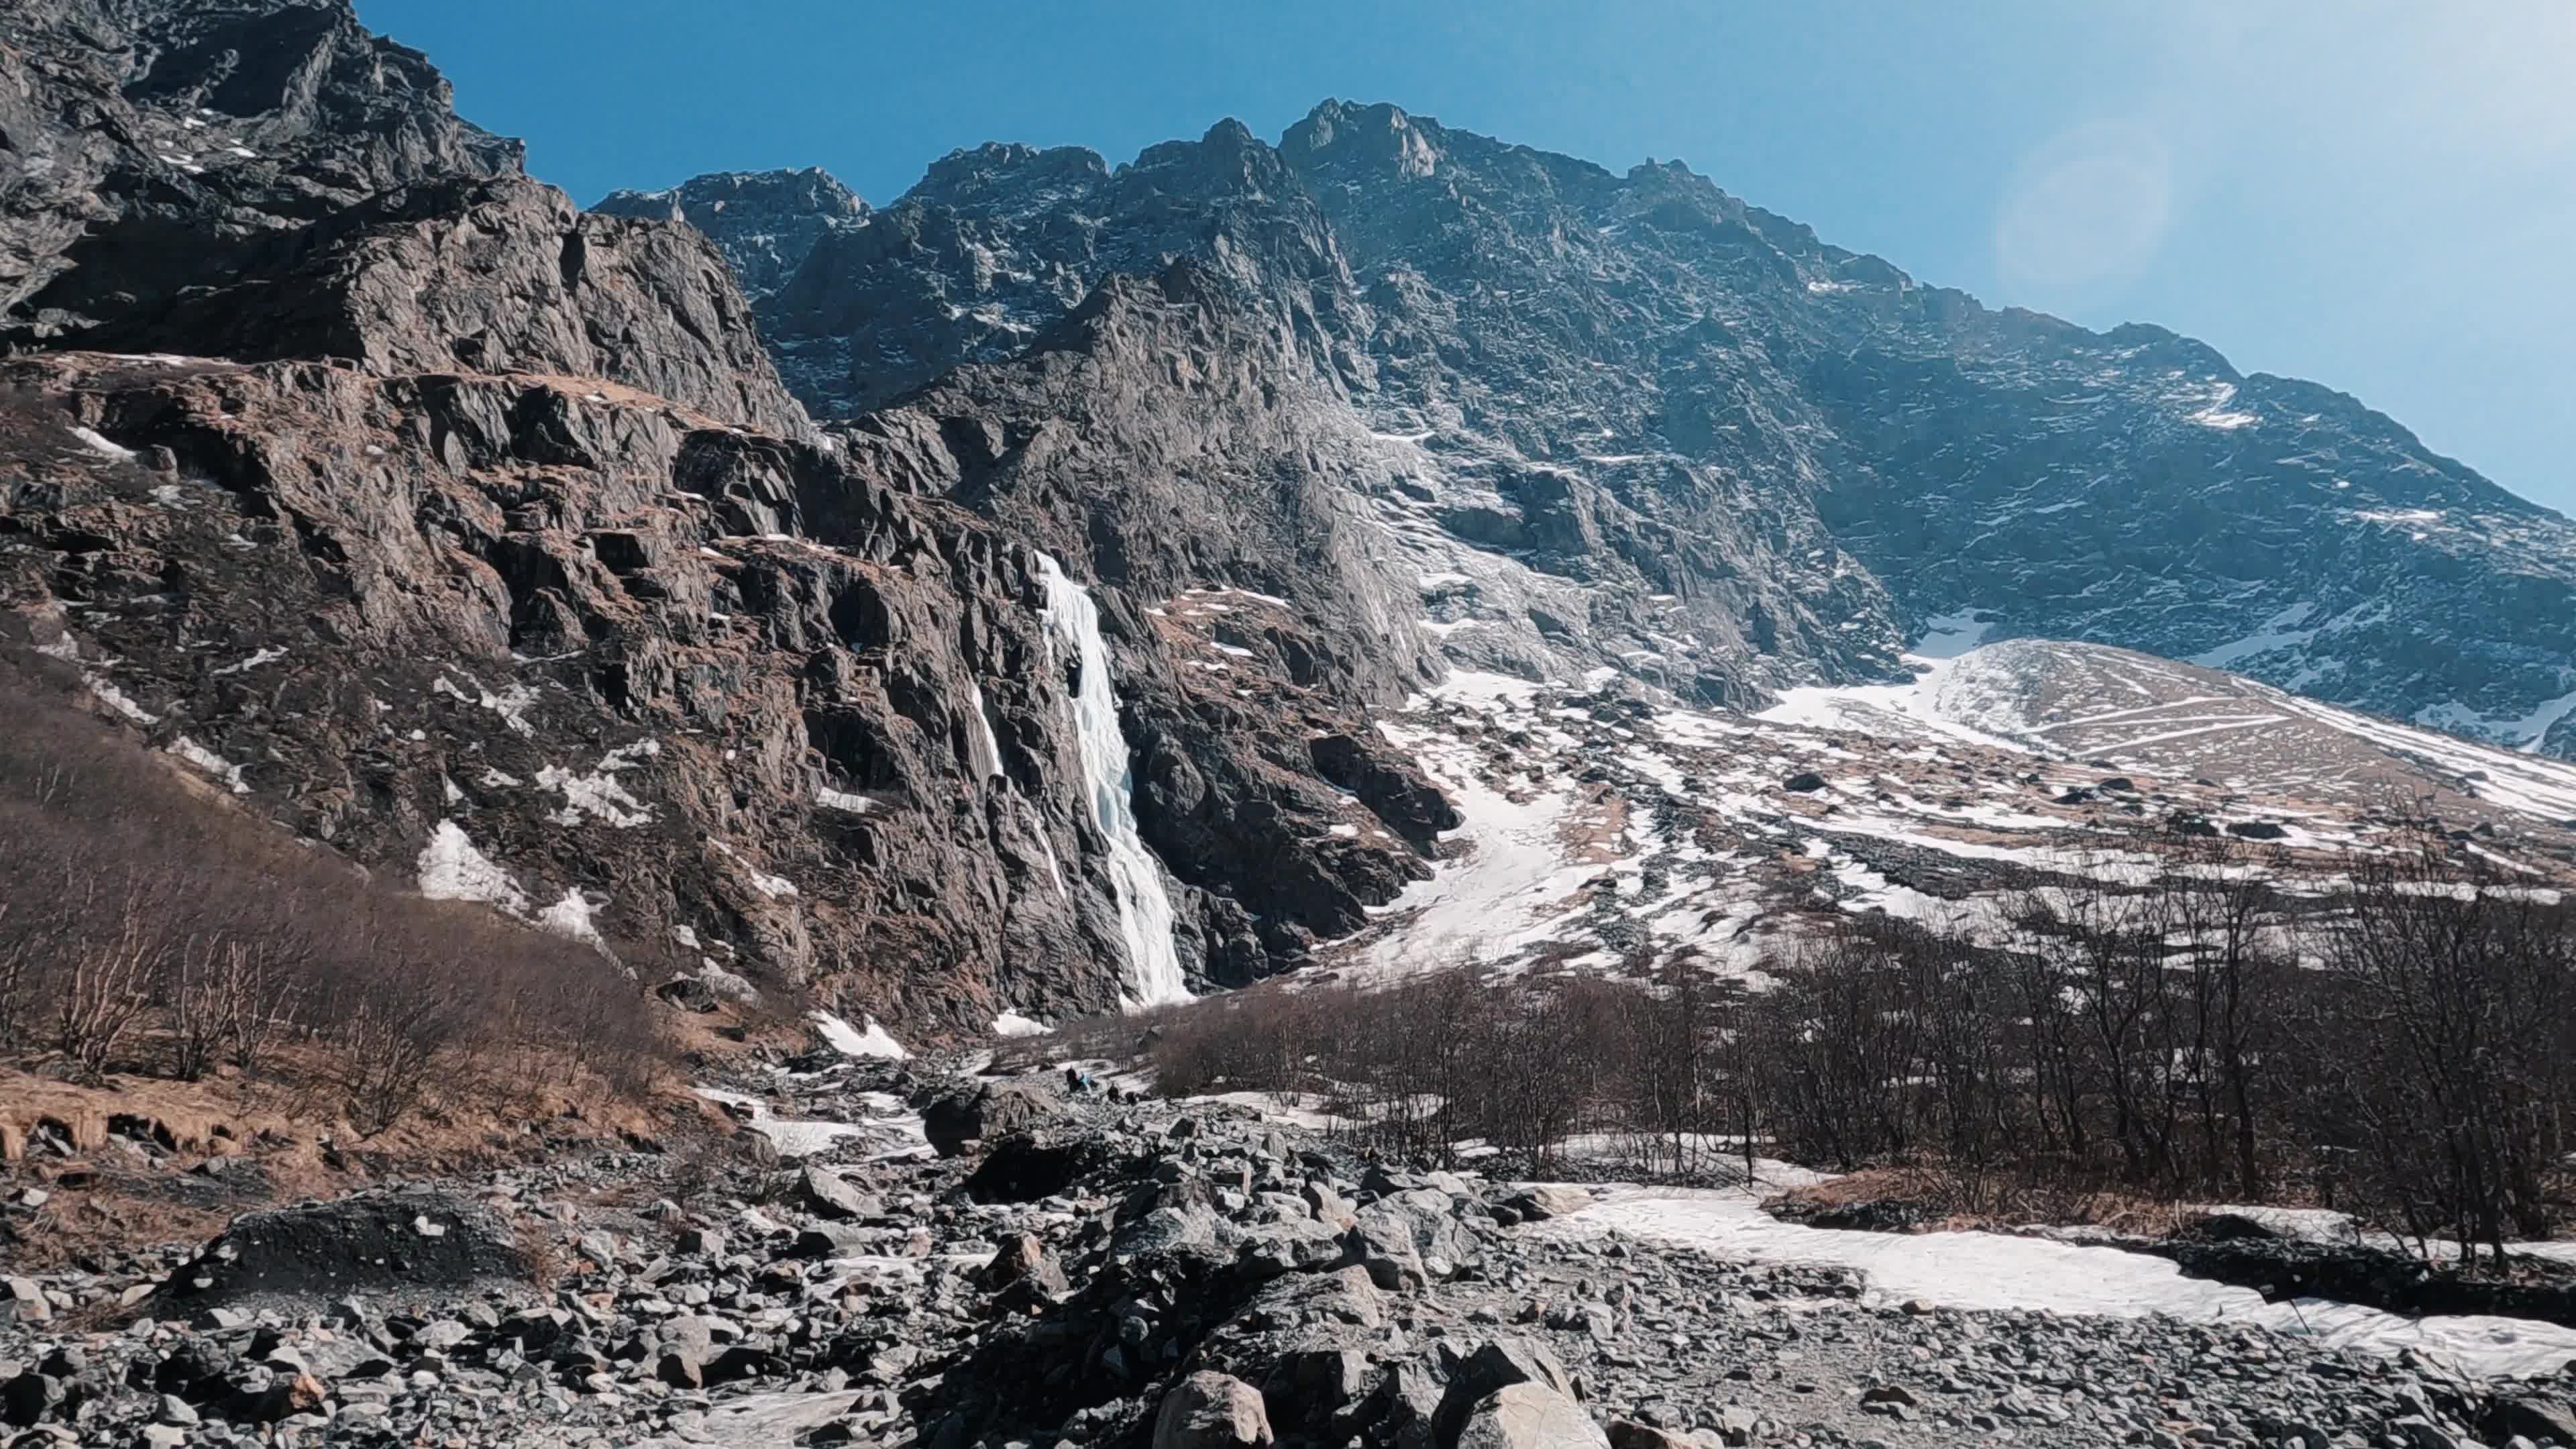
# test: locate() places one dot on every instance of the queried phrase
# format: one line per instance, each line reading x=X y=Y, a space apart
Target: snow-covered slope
x=2132 y=711
x=1611 y=832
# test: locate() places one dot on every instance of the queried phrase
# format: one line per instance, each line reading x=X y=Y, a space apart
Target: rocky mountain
x=766 y=223
x=474 y=537
x=1632 y=421
x=1248 y=558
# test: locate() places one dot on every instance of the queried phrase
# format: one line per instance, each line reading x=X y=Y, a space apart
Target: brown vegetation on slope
x=182 y=982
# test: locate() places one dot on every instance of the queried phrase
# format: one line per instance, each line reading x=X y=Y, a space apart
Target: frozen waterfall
x=1144 y=909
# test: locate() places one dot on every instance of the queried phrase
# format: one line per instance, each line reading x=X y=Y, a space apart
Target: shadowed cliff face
x=1629 y=421
x=474 y=537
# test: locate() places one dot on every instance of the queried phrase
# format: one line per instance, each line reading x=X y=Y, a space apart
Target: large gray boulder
x=1212 y=1411
x=987 y=1114
x=1529 y=1416
x=1501 y=1363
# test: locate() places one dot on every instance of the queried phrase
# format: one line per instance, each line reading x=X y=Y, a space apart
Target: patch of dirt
x=1928 y=1200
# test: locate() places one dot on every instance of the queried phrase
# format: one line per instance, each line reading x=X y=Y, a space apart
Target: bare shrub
x=144 y=924
x=102 y=993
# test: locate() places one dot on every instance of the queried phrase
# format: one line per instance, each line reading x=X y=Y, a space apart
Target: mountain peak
x=1384 y=135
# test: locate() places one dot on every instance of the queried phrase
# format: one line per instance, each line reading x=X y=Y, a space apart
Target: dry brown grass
x=282 y=1149
x=1955 y=1203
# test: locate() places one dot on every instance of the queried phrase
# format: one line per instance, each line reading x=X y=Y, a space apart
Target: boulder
x=1497 y=1364
x=992 y=1111
x=1529 y=1416
x=23 y=1301
x=1212 y=1411
x=2541 y=1420
x=829 y=1195
x=1023 y=1259
x=388 y=1243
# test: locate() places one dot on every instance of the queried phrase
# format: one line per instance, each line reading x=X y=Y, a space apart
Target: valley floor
x=827 y=1276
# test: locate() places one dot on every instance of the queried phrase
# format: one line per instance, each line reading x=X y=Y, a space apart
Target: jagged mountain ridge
x=1600 y=388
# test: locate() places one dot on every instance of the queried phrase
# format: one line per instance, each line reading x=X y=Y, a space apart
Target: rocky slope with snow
x=1186 y=1276
x=1632 y=420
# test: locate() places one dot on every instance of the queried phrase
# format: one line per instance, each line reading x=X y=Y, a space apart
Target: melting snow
x=571 y=916
x=101 y=446
x=831 y=799
x=852 y=1042
x=114 y=698
x=984 y=752
x=451 y=869
x=1928 y=702
x=776 y=887
x=258 y=657
x=1999 y=1271
x=210 y=762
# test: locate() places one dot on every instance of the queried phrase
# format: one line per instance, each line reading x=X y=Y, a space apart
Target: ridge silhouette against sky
x=2372 y=194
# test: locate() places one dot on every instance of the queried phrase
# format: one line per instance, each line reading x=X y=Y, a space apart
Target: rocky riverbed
x=1084 y=1271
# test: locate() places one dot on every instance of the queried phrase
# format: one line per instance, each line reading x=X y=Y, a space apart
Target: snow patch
x=210 y=762
x=831 y=799
x=598 y=795
x=115 y=699
x=850 y=1041
x=257 y=658
x=1995 y=1271
x=101 y=446
x=451 y=869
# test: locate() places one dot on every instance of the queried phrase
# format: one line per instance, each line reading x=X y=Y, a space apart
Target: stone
x=22 y=1299
x=1889 y=1394
x=2544 y=1420
x=989 y=1112
x=1529 y=1416
x=1629 y=1434
x=1549 y=1200
x=1474 y=1374
x=1024 y=1259
x=680 y=1370
x=29 y=1397
x=2422 y=1433
x=829 y=1195
x=1211 y=1411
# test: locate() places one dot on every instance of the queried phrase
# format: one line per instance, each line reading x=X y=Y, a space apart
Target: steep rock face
x=475 y=538
x=266 y=180
x=140 y=142
x=766 y=222
x=494 y=275
x=562 y=646
x=1168 y=439
x=1514 y=559
x=1630 y=420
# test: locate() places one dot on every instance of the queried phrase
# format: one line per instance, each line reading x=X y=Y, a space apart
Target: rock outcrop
x=765 y=222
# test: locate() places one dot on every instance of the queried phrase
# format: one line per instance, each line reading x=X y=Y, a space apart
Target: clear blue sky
x=2377 y=194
